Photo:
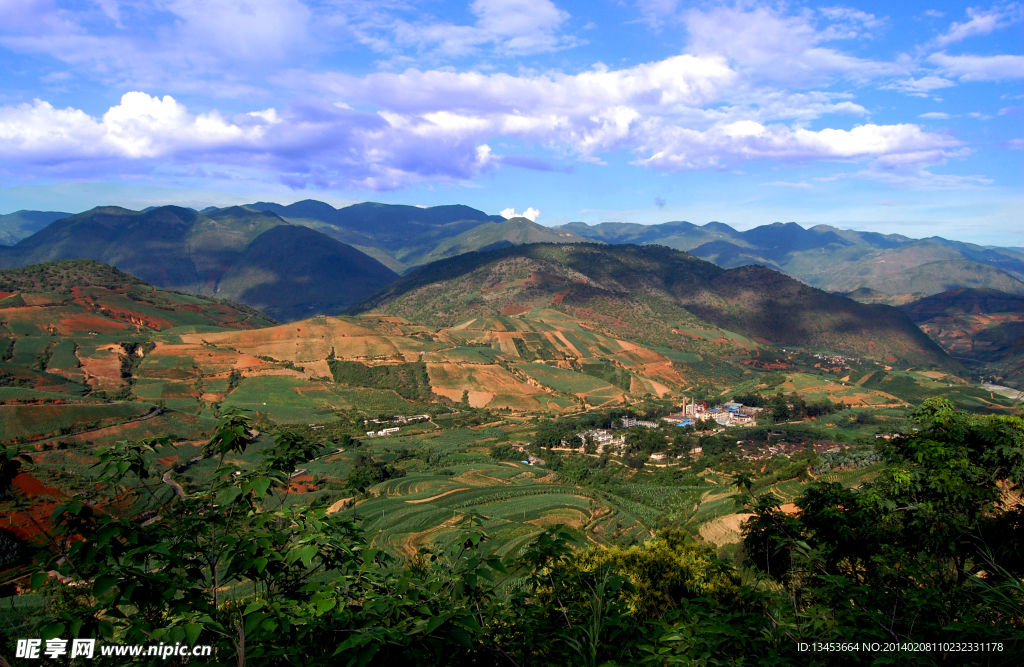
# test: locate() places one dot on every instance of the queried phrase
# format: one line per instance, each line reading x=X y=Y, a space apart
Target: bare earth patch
x=724 y=529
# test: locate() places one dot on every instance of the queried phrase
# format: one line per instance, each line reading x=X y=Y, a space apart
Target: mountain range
x=310 y=258
x=896 y=269
x=867 y=266
x=253 y=257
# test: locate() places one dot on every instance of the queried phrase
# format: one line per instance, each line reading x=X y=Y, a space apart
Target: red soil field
x=31 y=486
x=21 y=525
x=90 y=322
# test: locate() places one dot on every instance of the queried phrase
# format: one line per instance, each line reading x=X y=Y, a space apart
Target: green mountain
x=220 y=252
x=650 y=292
x=396 y=235
x=494 y=235
x=833 y=259
x=982 y=328
x=292 y=272
x=22 y=224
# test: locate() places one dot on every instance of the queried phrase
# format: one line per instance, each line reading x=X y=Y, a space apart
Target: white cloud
x=511 y=27
x=980 y=68
x=196 y=46
x=940 y=115
x=1016 y=143
x=530 y=214
x=772 y=46
x=980 y=23
x=682 y=148
x=744 y=89
x=919 y=87
x=139 y=127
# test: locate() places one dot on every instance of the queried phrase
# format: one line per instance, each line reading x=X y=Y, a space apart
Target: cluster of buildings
x=725 y=415
x=382 y=432
x=397 y=419
x=838 y=362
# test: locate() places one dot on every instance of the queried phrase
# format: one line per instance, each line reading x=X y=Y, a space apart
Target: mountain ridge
x=616 y=282
x=182 y=249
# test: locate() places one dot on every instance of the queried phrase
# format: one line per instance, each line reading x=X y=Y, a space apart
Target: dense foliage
x=930 y=551
x=409 y=380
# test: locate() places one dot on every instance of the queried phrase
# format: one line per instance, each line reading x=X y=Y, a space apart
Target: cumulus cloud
x=530 y=214
x=139 y=127
x=749 y=86
x=308 y=144
x=440 y=125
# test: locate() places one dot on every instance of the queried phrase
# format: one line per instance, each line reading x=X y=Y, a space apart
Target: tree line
x=930 y=551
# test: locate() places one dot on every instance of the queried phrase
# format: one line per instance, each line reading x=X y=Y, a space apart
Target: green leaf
x=261 y=564
x=470 y=623
x=434 y=623
x=253 y=606
x=253 y=620
x=192 y=631
x=103 y=583
x=260 y=486
x=51 y=631
x=324 y=606
x=38 y=579
x=307 y=553
x=228 y=495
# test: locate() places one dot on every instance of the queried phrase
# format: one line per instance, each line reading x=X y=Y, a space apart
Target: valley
x=491 y=349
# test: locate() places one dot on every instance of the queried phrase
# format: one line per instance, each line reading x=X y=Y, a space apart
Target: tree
x=779 y=408
x=916 y=542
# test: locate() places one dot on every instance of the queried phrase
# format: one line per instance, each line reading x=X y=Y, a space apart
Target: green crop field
x=24 y=394
x=563 y=380
x=277 y=397
x=373 y=401
x=22 y=422
x=62 y=355
x=28 y=351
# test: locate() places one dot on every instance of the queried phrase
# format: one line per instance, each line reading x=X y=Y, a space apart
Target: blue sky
x=896 y=117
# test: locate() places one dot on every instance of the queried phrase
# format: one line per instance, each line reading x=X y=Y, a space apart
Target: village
x=613 y=440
